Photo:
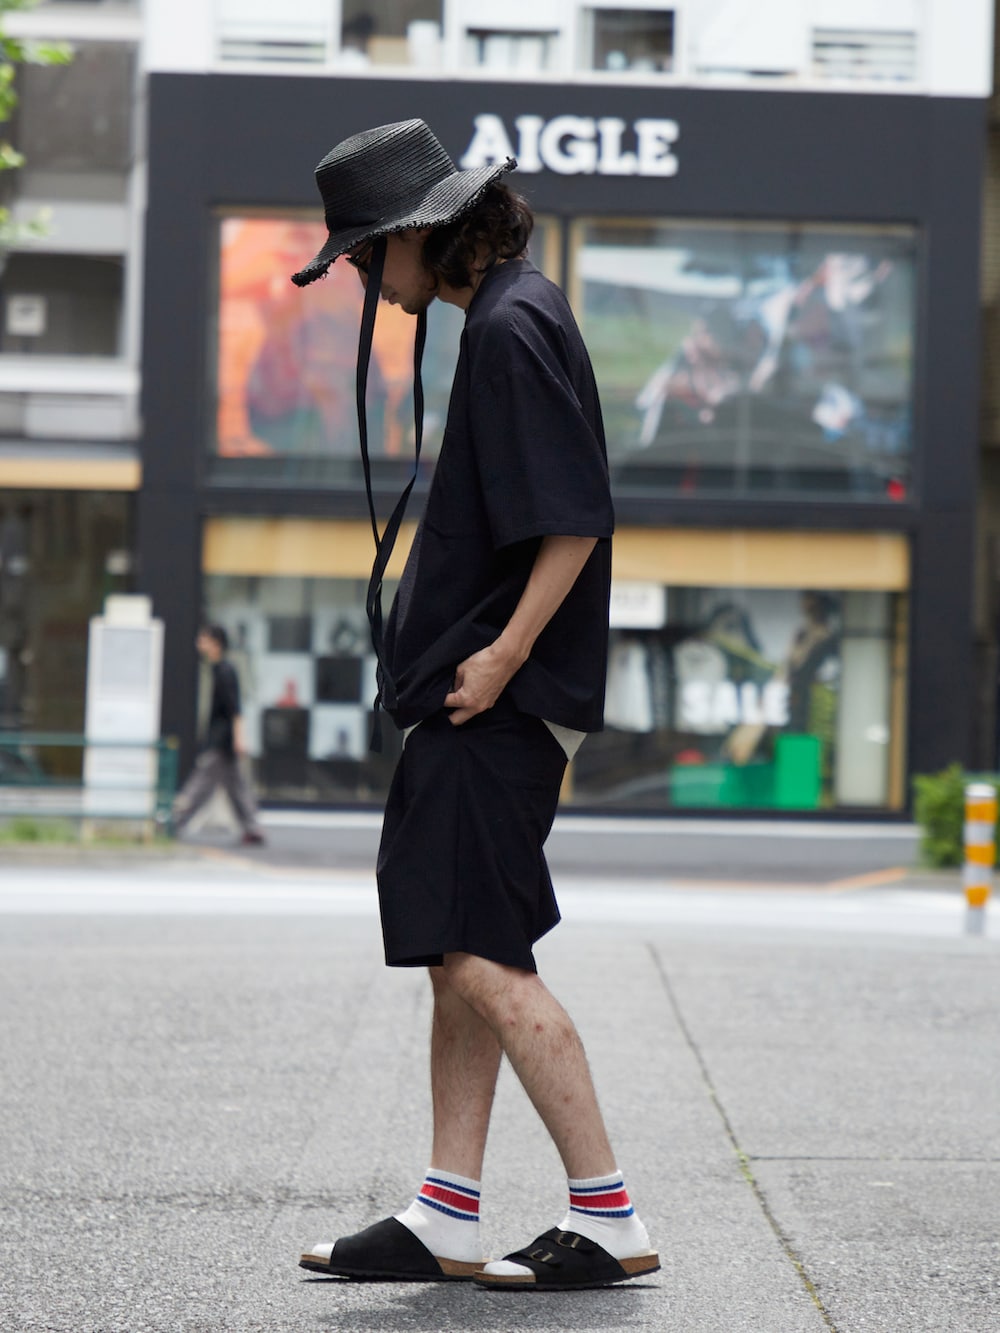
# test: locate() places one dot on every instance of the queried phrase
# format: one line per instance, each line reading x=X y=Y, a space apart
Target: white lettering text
x=489 y=143
x=655 y=138
x=576 y=145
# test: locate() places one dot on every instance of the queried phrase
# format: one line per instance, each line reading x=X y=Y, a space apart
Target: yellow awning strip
x=70 y=474
x=677 y=557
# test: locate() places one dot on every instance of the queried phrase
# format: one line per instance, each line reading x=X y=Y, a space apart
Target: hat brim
x=444 y=203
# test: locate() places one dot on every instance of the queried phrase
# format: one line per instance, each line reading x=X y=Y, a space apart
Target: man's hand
x=480 y=680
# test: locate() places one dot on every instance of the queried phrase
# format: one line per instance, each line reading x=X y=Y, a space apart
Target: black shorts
x=461 y=866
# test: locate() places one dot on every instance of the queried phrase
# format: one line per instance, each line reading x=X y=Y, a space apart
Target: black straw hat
x=389 y=179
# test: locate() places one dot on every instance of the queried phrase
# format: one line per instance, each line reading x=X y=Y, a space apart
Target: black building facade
x=780 y=293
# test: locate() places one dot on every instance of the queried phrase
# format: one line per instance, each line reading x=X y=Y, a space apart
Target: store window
x=639 y=40
x=752 y=360
x=285 y=357
x=61 y=305
x=61 y=554
x=759 y=698
x=302 y=649
x=757 y=695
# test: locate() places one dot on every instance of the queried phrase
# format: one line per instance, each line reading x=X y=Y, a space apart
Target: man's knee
x=496 y=992
x=454 y=978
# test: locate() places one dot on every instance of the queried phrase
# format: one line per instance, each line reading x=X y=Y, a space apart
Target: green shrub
x=939 y=809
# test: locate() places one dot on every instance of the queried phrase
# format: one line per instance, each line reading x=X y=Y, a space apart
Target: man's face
x=207 y=646
x=405 y=280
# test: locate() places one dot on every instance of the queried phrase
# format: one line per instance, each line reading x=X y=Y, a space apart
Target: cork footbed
x=452 y=1269
x=634 y=1266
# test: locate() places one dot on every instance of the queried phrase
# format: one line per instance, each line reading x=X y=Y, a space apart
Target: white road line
x=367 y=820
x=900 y=912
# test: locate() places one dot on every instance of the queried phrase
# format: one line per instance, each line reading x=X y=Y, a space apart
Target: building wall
x=939 y=47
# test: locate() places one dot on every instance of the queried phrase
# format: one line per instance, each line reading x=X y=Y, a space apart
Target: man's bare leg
x=544 y=1049
x=465 y=1061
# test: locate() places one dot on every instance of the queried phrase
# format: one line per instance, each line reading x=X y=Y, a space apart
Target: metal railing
x=30 y=787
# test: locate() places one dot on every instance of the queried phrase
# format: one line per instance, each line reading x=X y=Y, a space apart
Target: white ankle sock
x=445 y=1216
x=601 y=1210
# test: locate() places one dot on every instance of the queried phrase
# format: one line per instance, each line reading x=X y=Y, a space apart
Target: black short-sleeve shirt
x=523 y=457
x=224 y=708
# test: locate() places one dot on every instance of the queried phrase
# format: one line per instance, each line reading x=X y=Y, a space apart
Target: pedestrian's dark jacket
x=225 y=707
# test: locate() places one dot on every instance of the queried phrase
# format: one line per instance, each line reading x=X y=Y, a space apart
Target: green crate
x=798 y=765
x=694 y=785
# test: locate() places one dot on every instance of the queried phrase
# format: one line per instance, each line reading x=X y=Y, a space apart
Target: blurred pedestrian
x=220 y=762
x=493 y=664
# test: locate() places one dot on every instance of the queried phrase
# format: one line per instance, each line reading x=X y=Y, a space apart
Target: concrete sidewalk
x=808 y=1120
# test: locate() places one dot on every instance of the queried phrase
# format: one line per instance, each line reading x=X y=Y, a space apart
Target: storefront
x=779 y=294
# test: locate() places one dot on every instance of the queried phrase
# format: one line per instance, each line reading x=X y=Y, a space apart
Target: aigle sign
x=576 y=145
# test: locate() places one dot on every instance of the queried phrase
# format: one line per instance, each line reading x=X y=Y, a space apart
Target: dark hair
x=500 y=222
x=217 y=633
x=826 y=605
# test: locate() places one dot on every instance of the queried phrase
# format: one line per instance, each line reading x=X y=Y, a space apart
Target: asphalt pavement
x=206 y=1068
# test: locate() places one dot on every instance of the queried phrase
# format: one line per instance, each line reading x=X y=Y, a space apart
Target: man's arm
x=239 y=735
x=481 y=678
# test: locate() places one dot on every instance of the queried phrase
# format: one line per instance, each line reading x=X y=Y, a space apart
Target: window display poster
x=752 y=357
x=286 y=356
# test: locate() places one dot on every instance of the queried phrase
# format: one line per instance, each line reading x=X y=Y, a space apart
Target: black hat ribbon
x=385 y=540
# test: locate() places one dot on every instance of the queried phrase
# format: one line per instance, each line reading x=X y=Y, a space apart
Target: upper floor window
x=61 y=305
x=621 y=40
x=74 y=125
x=391 y=32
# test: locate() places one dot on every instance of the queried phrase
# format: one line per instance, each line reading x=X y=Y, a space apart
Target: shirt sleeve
x=539 y=451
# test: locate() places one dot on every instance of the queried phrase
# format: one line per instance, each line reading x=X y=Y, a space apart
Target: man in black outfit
x=492 y=663
x=218 y=764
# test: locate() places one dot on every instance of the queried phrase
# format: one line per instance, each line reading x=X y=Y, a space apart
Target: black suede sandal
x=564 y=1261
x=387 y=1252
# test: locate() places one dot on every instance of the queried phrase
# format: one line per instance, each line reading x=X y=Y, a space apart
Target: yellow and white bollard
x=980 y=852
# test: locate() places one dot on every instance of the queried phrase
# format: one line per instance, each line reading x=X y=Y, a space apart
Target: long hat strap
x=385 y=541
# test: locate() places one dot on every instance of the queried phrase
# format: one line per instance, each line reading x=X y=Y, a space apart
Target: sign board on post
x=124 y=688
x=637 y=605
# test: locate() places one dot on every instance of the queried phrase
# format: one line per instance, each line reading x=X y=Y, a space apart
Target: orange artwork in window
x=287 y=355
